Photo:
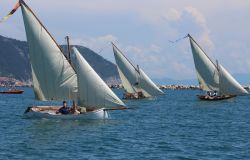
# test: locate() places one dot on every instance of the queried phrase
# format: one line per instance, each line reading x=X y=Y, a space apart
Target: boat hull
x=49 y=112
x=12 y=92
x=215 y=98
x=133 y=96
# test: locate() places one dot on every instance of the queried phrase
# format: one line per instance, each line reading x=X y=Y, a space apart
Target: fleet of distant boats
x=57 y=78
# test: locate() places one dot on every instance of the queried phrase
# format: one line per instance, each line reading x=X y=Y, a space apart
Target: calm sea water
x=174 y=126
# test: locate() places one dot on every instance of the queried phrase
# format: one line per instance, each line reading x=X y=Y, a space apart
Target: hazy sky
x=143 y=28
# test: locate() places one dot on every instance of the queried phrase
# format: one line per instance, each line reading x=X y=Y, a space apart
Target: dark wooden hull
x=215 y=98
x=12 y=92
x=133 y=98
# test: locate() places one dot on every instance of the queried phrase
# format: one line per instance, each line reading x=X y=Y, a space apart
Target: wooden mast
x=69 y=60
x=68 y=47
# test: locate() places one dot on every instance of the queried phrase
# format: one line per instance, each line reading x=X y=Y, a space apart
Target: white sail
x=53 y=76
x=228 y=85
x=134 y=79
x=148 y=85
x=126 y=84
x=127 y=72
x=92 y=90
x=207 y=72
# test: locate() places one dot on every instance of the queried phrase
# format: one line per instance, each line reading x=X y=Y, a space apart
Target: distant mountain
x=14 y=61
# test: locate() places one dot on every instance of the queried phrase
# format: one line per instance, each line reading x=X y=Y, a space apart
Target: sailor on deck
x=215 y=93
x=64 y=109
x=209 y=93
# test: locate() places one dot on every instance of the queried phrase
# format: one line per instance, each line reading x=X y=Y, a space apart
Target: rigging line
x=175 y=41
x=17 y=5
x=103 y=48
x=124 y=56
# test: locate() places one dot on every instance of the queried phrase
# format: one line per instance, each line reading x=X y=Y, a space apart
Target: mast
x=217 y=65
x=68 y=47
x=138 y=83
x=69 y=60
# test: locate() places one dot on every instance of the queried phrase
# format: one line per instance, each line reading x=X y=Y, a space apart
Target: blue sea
x=176 y=126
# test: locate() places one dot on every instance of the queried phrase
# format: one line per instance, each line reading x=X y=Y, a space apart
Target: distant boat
x=54 y=78
x=136 y=83
x=213 y=77
x=12 y=91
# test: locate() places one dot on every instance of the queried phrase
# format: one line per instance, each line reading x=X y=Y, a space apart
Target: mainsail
x=133 y=78
x=206 y=70
x=92 y=90
x=213 y=77
x=228 y=85
x=53 y=76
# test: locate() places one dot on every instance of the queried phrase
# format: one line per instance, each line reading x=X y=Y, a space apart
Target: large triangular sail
x=206 y=70
x=92 y=90
x=128 y=73
x=150 y=89
x=53 y=76
x=229 y=85
x=133 y=78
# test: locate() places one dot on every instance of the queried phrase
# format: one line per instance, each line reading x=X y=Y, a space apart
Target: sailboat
x=55 y=79
x=213 y=77
x=136 y=83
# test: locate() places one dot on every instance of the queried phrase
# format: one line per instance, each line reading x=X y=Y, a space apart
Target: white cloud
x=201 y=20
x=98 y=44
x=181 y=69
x=172 y=14
x=144 y=55
x=155 y=48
